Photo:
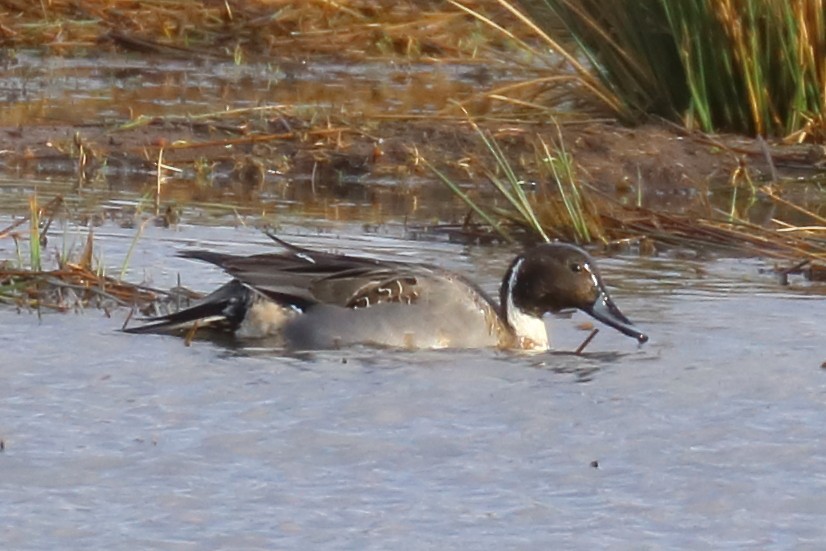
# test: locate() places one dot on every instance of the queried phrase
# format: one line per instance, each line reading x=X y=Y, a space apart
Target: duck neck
x=529 y=330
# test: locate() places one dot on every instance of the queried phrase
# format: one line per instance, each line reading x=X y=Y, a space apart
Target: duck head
x=557 y=276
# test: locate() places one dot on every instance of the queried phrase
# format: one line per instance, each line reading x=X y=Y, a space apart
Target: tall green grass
x=753 y=66
x=570 y=209
x=557 y=206
x=35 y=261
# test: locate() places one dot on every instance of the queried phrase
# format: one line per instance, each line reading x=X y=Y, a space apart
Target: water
x=711 y=435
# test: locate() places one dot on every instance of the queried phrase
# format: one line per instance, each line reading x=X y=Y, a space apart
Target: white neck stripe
x=525 y=326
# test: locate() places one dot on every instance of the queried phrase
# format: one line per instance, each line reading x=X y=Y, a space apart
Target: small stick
x=190 y=335
x=6 y=231
x=783 y=275
x=128 y=319
x=587 y=341
x=159 y=182
x=764 y=147
x=795 y=269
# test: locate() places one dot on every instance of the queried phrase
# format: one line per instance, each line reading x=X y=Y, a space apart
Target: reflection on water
x=77 y=98
x=94 y=96
x=110 y=88
x=711 y=430
x=129 y=202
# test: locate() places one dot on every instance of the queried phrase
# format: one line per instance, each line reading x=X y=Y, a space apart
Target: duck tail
x=223 y=310
x=218 y=259
x=289 y=246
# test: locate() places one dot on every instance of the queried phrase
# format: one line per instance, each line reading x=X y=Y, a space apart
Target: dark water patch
x=715 y=423
x=392 y=442
x=711 y=428
x=113 y=88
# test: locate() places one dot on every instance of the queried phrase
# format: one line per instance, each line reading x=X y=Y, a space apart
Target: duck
x=305 y=299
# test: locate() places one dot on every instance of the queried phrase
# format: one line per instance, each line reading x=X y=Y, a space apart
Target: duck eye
x=576 y=267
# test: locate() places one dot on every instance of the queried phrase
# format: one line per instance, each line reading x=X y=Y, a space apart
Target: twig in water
x=159 y=182
x=587 y=341
x=783 y=274
x=190 y=335
x=7 y=230
x=128 y=318
x=764 y=148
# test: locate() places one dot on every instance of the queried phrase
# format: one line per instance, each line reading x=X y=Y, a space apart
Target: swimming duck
x=306 y=299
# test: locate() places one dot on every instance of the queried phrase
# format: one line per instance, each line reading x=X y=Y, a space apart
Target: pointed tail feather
x=289 y=246
x=222 y=309
x=219 y=259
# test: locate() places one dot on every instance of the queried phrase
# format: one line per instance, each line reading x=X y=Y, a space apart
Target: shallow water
x=112 y=88
x=711 y=435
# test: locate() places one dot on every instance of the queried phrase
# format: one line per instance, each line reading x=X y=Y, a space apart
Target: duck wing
x=301 y=277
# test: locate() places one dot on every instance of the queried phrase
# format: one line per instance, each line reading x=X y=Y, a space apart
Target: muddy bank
x=345 y=136
x=613 y=158
x=235 y=94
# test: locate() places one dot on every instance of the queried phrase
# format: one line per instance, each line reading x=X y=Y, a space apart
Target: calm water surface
x=713 y=435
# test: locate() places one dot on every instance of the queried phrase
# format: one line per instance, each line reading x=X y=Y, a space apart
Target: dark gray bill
x=607 y=312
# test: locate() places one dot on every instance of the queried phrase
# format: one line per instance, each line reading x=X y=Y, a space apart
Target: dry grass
x=74 y=283
x=779 y=240
x=242 y=30
x=562 y=205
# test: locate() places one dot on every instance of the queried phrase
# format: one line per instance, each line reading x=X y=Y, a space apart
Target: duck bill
x=607 y=312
